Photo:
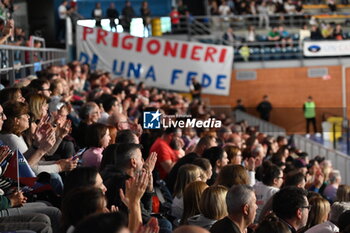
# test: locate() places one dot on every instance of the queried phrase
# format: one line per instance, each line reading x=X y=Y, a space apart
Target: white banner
x=326 y=48
x=159 y=62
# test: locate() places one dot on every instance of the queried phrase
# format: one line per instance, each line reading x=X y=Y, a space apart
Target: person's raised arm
x=134 y=190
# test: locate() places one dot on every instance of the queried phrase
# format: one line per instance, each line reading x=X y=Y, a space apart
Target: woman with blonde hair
x=187 y=174
x=318 y=213
x=38 y=107
x=232 y=175
x=191 y=197
x=212 y=207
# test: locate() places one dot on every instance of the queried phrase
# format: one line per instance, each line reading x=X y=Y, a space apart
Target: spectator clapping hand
x=150 y=162
x=65 y=129
x=150 y=227
x=135 y=187
x=42 y=128
x=48 y=140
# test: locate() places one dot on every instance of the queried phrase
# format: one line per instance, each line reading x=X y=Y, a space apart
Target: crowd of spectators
x=80 y=132
x=99 y=170
x=11 y=34
x=227 y=8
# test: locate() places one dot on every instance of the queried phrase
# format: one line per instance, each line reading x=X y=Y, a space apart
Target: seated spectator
x=83 y=177
x=251 y=34
x=80 y=203
x=110 y=106
x=167 y=157
x=206 y=167
x=331 y=225
x=327 y=31
x=291 y=205
x=191 y=200
x=39 y=86
x=128 y=164
x=274 y=35
x=343 y=193
x=89 y=113
x=66 y=148
x=14 y=126
x=330 y=192
x=272 y=181
x=232 y=175
x=11 y=93
x=304 y=32
x=218 y=159
x=229 y=37
x=289 y=7
x=97 y=139
x=234 y=154
x=187 y=174
x=318 y=213
x=295 y=178
x=204 y=143
x=338 y=33
x=212 y=207
x=223 y=135
x=241 y=208
x=285 y=37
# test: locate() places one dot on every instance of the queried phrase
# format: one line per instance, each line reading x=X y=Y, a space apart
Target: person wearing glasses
x=40 y=86
x=290 y=204
x=319 y=212
x=272 y=180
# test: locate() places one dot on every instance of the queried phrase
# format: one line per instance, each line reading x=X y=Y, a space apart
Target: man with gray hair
x=330 y=192
x=241 y=208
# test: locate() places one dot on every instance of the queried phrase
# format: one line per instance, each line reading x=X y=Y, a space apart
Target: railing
x=264 y=126
x=238 y=22
x=339 y=160
x=17 y=61
x=264 y=50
